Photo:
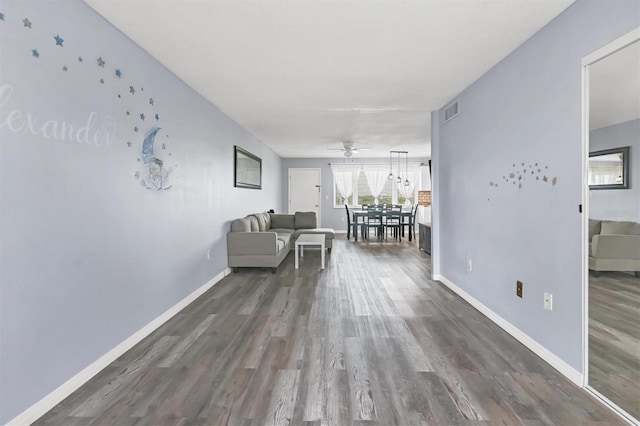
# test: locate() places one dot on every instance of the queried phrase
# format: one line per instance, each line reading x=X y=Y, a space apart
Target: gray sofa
x=614 y=246
x=265 y=239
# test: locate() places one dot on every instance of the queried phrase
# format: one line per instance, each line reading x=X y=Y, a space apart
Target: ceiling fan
x=348 y=149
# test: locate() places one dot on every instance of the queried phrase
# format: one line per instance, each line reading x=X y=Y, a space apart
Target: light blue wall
x=330 y=217
x=525 y=110
x=618 y=204
x=88 y=254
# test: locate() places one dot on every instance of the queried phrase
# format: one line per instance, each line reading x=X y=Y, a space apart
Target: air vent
x=451 y=111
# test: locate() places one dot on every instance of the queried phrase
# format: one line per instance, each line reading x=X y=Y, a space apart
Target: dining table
x=355 y=214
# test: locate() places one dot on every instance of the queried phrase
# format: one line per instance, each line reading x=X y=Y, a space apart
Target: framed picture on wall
x=247 y=169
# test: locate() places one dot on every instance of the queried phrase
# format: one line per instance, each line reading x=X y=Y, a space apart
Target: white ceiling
x=614 y=92
x=305 y=75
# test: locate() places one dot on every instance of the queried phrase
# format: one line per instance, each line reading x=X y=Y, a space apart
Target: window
x=406 y=200
x=353 y=181
x=364 y=195
x=339 y=201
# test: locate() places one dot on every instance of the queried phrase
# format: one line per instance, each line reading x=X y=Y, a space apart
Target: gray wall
x=330 y=217
x=88 y=254
x=618 y=204
x=524 y=114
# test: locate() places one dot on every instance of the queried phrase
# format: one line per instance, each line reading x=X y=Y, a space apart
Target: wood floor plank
x=614 y=338
x=363 y=406
x=283 y=399
x=370 y=340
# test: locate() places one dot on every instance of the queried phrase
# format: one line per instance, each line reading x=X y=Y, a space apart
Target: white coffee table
x=310 y=240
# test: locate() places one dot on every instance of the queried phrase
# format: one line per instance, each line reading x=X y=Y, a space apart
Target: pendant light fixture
x=406 y=169
x=398 y=177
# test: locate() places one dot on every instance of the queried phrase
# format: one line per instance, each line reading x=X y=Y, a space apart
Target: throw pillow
x=594 y=227
x=254 y=223
x=610 y=227
x=262 y=223
x=241 y=225
x=305 y=220
x=281 y=221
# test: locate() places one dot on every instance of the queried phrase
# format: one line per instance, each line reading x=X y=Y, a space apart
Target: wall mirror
x=609 y=169
x=247 y=169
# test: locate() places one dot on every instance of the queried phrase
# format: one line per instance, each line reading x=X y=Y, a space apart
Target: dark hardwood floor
x=614 y=338
x=371 y=340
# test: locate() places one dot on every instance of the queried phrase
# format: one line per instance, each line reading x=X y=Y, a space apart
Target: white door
x=304 y=191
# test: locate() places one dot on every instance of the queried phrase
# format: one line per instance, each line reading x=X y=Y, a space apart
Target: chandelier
x=406 y=166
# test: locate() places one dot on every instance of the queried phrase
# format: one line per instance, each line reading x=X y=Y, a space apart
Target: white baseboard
x=565 y=369
x=628 y=418
x=38 y=409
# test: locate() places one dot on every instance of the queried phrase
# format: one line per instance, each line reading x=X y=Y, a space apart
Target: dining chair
x=409 y=222
x=392 y=221
x=373 y=219
x=348 y=222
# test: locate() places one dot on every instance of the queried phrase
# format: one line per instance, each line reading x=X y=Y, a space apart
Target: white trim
x=588 y=60
x=585 y=225
x=568 y=371
x=611 y=48
x=614 y=407
x=41 y=407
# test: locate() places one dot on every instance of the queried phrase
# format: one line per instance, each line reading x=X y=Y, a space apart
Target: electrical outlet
x=469 y=265
x=548 y=301
x=209 y=254
x=519 y=289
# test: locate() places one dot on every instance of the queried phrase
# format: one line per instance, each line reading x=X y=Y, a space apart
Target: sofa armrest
x=615 y=246
x=252 y=243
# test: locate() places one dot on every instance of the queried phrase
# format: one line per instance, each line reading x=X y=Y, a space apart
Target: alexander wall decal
x=522 y=173
x=135 y=122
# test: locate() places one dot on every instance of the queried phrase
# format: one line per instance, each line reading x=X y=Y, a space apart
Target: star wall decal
x=142 y=116
x=59 y=40
x=119 y=96
x=150 y=101
x=101 y=62
x=26 y=22
x=132 y=90
x=35 y=53
x=135 y=129
x=65 y=69
x=128 y=113
x=102 y=80
x=118 y=73
x=79 y=58
x=1 y=16
x=157 y=117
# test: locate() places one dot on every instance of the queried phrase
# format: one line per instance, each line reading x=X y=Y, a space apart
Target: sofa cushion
x=262 y=222
x=267 y=218
x=285 y=237
x=241 y=225
x=305 y=220
x=594 y=227
x=254 y=223
x=610 y=227
x=282 y=221
x=280 y=245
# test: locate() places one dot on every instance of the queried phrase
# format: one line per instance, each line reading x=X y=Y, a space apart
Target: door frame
x=587 y=61
x=319 y=189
